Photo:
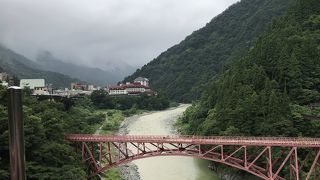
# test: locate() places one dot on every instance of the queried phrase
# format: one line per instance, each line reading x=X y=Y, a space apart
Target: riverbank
x=130 y=170
x=114 y=124
x=165 y=168
x=113 y=119
x=153 y=123
x=222 y=171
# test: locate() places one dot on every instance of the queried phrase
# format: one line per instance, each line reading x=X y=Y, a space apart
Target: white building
x=40 y=91
x=139 y=86
x=142 y=81
x=135 y=88
x=91 y=88
x=128 y=89
x=4 y=83
x=117 y=90
x=32 y=83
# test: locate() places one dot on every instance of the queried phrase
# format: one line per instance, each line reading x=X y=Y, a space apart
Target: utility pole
x=16 y=140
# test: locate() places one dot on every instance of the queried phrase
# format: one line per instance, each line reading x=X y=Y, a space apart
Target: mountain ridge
x=268 y=91
x=20 y=66
x=96 y=76
x=56 y=71
x=181 y=71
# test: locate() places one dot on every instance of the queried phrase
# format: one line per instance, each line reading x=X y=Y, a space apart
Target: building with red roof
x=134 y=88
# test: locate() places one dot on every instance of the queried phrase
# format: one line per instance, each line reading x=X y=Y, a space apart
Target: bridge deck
x=215 y=140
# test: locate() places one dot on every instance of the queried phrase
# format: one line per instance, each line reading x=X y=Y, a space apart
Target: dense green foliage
x=101 y=100
x=111 y=126
x=23 y=68
x=115 y=117
x=267 y=92
x=183 y=70
x=48 y=156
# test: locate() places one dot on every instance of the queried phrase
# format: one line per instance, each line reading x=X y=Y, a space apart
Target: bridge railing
x=294 y=141
x=137 y=137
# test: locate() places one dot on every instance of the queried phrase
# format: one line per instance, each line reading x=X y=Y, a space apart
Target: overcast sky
x=93 y=32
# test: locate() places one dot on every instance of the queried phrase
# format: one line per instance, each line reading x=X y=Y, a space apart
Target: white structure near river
x=166 y=168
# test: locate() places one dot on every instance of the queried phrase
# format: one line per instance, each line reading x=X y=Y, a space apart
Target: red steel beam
x=194 y=146
x=221 y=140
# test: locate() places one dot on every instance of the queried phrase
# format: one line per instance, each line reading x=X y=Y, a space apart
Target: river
x=165 y=168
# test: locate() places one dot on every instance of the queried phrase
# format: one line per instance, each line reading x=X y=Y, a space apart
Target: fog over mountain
x=102 y=33
x=97 y=76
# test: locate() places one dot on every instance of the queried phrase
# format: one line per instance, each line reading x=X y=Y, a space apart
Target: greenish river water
x=172 y=167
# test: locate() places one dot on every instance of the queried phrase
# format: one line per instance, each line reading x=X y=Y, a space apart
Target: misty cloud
x=95 y=32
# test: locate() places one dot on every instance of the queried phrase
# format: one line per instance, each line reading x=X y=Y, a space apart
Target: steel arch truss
x=264 y=162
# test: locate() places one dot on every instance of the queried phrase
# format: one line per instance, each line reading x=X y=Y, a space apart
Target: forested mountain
x=97 y=76
x=269 y=91
x=21 y=67
x=183 y=70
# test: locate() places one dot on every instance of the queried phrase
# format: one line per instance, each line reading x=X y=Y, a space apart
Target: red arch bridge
x=265 y=157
